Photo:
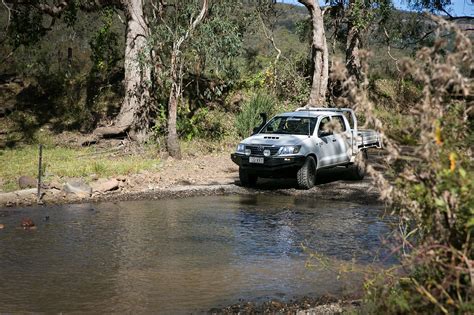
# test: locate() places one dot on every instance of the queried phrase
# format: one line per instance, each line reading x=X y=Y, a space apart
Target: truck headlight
x=240 y=148
x=289 y=149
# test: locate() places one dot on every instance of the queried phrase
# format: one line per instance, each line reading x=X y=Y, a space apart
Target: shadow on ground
x=323 y=177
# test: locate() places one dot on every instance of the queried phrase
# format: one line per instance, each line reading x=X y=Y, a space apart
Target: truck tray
x=368 y=139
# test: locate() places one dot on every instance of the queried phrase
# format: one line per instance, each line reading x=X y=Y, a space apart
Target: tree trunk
x=176 y=74
x=352 y=46
x=172 y=141
x=133 y=116
x=320 y=55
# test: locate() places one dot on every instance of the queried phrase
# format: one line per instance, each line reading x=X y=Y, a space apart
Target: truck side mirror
x=323 y=133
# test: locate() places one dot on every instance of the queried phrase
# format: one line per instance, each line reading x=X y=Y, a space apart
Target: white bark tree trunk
x=320 y=54
x=172 y=141
x=133 y=116
x=176 y=74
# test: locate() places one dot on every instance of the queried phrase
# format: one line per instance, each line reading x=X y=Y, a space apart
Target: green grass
x=70 y=162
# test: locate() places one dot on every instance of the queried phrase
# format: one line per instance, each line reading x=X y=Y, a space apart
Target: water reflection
x=178 y=256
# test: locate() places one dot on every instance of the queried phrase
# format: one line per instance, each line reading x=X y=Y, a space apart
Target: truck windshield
x=290 y=125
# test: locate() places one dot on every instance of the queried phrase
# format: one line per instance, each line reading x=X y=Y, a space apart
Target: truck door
x=326 y=145
x=343 y=139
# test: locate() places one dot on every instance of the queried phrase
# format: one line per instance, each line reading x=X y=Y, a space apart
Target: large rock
x=27 y=182
x=77 y=187
x=15 y=196
x=104 y=185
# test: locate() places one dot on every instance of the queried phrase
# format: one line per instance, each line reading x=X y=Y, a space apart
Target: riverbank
x=324 y=305
x=194 y=175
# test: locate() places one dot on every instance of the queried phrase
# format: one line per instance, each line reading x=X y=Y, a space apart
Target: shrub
x=432 y=183
x=249 y=117
x=204 y=123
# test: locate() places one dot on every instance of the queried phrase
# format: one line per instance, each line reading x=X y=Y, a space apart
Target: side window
x=323 y=129
x=349 y=119
x=339 y=125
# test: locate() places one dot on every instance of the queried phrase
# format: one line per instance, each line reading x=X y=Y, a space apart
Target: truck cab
x=302 y=142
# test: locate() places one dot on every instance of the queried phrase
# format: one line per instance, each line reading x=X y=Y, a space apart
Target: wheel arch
x=315 y=158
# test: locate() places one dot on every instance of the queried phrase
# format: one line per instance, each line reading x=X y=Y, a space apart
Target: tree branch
x=194 y=24
x=389 y=49
x=453 y=18
x=463 y=17
x=415 y=41
x=307 y=3
x=270 y=37
x=9 y=10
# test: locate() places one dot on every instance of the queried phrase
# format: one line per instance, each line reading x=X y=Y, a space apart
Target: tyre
x=359 y=168
x=306 y=175
x=246 y=179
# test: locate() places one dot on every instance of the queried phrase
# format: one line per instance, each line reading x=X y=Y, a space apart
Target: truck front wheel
x=246 y=179
x=306 y=175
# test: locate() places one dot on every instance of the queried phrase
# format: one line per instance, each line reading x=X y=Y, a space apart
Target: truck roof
x=304 y=113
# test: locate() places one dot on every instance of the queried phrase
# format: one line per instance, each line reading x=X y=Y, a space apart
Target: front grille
x=258 y=149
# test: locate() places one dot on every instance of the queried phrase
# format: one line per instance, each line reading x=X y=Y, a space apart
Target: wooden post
x=69 y=56
x=40 y=169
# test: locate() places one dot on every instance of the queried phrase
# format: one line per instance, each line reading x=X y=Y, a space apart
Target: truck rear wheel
x=359 y=168
x=246 y=179
x=306 y=175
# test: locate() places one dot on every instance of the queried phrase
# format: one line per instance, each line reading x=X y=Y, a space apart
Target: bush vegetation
x=249 y=116
x=430 y=187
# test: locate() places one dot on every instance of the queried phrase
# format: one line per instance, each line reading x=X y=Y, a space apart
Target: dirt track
x=213 y=175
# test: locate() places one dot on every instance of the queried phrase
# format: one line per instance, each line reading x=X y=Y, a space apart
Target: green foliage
x=104 y=44
x=70 y=14
x=449 y=182
x=249 y=117
x=26 y=26
x=303 y=30
x=218 y=40
x=210 y=49
x=291 y=82
x=203 y=123
x=415 y=32
x=431 y=5
x=363 y=13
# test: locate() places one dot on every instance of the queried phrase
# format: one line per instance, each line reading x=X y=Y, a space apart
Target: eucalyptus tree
x=359 y=16
x=439 y=6
x=351 y=21
x=30 y=19
x=183 y=31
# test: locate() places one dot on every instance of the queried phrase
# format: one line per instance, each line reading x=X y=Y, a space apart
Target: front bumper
x=271 y=164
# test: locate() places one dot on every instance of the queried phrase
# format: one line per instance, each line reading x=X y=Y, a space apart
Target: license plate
x=254 y=159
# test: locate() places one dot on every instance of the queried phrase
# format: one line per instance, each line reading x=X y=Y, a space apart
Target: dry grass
x=61 y=162
x=432 y=190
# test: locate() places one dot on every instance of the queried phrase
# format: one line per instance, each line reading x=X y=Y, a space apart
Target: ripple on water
x=180 y=255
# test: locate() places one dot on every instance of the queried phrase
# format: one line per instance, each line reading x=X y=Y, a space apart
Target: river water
x=181 y=255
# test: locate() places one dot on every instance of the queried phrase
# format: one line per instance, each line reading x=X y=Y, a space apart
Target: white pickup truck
x=302 y=142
